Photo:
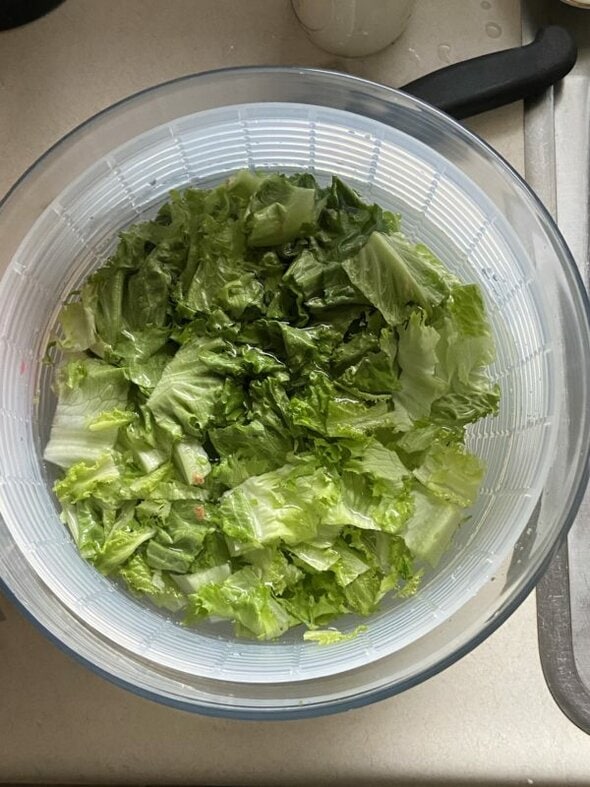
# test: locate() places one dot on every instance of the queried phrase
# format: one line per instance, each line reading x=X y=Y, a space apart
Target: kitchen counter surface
x=489 y=718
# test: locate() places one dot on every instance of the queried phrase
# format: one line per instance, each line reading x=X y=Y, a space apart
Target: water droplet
x=414 y=55
x=485 y=5
x=493 y=30
x=444 y=53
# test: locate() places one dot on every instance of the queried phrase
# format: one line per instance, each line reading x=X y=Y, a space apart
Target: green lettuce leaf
x=85 y=480
x=280 y=211
x=394 y=273
x=244 y=598
x=431 y=527
x=102 y=295
x=78 y=325
x=167 y=558
x=332 y=636
x=370 y=504
x=193 y=461
x=465 y=349
x=141 y=579
x=119 y=547
x=286 y=504
x=375 y=375
x=451 y=473
x=192 y=583
x=146 y=299
x=184 y=400
x=250 y=449
x=316 y=600
x=85 y=524
x=420 y=385
x=379 y=463
x=139 y=440
x=87 y=390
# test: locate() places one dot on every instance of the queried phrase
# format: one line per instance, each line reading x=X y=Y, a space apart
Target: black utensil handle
x=499 y=78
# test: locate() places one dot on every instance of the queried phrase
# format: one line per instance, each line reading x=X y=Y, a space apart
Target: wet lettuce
x=262 y=403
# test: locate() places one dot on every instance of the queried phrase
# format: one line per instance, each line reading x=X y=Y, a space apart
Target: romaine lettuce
x=262 y=407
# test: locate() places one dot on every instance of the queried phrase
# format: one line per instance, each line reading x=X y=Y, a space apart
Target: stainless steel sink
x=557 y=166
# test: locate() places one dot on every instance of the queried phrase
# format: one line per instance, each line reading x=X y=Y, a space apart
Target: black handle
x=499 y=78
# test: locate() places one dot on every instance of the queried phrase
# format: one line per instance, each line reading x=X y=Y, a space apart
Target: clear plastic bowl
x=61 y=221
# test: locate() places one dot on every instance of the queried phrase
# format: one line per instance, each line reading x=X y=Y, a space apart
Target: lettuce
x=184 y=400
x=429 y=530
x=85 y=480
x=449 y=472
x=332 y=636
x=280 y=211
x=119 y=547
x=142 y=580
x=420 y=385
x=87 y=389
x=262 y=406
x=285 y=505
x=396 y=275
x=247 y=600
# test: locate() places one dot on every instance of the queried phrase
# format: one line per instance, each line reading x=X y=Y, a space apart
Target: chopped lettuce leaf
x=260 y=445
x=191 y=583
x=280 y=211
x=88 y=389
x=167 y=558
x=417 y=357
x=286 y=504
x=79 y=330
x=244 y=598
x=465 y=349
x=141 y=579
x=378 y=462
x=84 y=480
x=451 y=473
x=332 y=636
x=429 y=530
x=119 y=547
x=146 y=299
x=192 y=461
x=318 y=558
x=184 y=400
x=86 y=527
x=395 y=274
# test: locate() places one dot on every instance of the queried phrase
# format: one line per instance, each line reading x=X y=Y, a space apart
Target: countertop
x=488 y=719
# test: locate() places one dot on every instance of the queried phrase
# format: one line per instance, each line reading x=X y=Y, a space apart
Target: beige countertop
x=487 y=719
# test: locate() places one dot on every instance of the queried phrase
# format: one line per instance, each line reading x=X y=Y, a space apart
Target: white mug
x=353 y=28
